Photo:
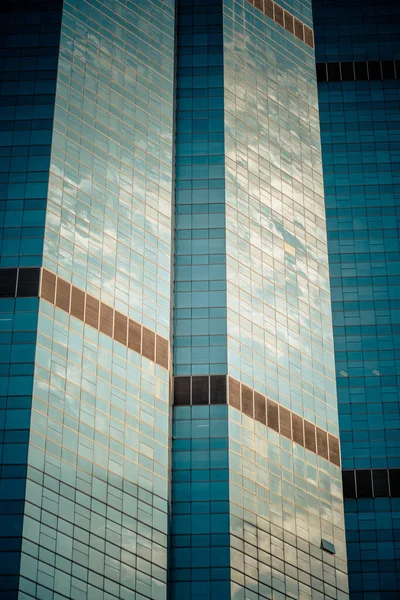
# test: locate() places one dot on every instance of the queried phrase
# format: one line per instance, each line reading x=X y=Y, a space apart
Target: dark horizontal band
x=372 y=70
x=198 y=390
x=285 y=19
x=104 y=318
x=32 y=282
x=22 y=282
x=371 y=483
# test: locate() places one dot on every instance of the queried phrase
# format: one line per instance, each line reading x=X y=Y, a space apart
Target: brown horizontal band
x=104 y=318
x=283 y=421
x=286 y=20
x=198 y=390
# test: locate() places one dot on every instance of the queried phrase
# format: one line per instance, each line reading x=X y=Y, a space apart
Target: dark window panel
x=374 y=70
x=269 y=8
x=349 y=484
x=162 y=351
x=28 y=283
x=134 y=336
x=308 y=36
x=199 y=389
x=272 y=415
x=8 y=281
x=234 y=393
x=92 y=311
x=380 y=480
x=48 y=289
x=334 y=450
x=148 y=343
x=259 y=4
x=347 y=71
x=217 y=389
x=361 y=71
x=309 y=436
x=364 y=483
x=321 y=72
x=77 y=303
x=63 y=293
x=106 y=319
x=298 y=29
x=388 y=69
x=285 y=422
x=247 y=401
x=322 y=443
x=394 y=477
x=260 y=412
x=289 y=22
x=333 y=71
x=120 y=328
x=397 y=66
x=182 y=391
x=279 y=15
x=297 y=428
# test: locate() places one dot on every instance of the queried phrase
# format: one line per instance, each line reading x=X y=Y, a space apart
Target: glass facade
x=253 y=511
x=200 y=491
x=168 y=388
x=29 y=46
x=200 y=256
x=283 y=499
x=359 y=113
x=84 y=417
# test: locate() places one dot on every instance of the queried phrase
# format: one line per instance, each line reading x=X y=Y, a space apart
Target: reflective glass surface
x=237 y=485
x=360 y=144
x=29 y=44
x=279 y=318
x=283 y=502
x=95 y=522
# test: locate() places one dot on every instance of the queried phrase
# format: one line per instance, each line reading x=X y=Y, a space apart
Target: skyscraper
x=86 y=163
x=256 y=491
x=168 y=391
x=358 y=53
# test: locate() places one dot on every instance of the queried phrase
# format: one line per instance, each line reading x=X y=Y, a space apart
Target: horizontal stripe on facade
x=372 y=70
x=33 y=282
x=199 y=390
x=22 y=282
x=104 y=318
x=371 y=483
x=285 y=19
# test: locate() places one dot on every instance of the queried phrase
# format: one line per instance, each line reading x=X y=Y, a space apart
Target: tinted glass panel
x=199 y=390
x=28 y=282
x=217 y=389
x=347 y=71
x=349 y=484
x=388 y=69
x=394 y=476
x=381 y=483
x=321 y=72
x=361 y=71
x=333 y=72
x=364 y=484
x=182 y=391
x=374 y=69
x=8 y=279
